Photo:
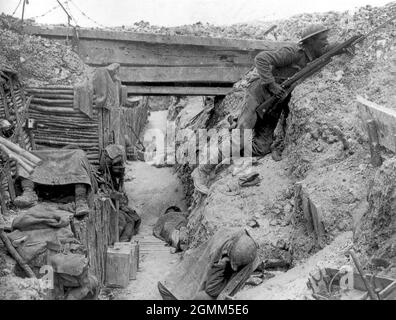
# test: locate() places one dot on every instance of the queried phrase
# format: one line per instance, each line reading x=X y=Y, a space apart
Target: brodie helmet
x=312 y=30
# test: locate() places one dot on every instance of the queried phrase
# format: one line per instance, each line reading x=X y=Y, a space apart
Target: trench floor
x=150 y=191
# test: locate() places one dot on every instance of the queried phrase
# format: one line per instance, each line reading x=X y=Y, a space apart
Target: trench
x=268 y=210
x=151 y=191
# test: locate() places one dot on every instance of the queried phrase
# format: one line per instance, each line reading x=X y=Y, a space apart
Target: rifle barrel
x=361 y=38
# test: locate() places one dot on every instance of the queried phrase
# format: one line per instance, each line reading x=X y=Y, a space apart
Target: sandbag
x=41 y=216
x=32 y=243
x=71 y=263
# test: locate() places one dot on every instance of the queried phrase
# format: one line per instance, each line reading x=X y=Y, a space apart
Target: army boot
x=81 y=200
x=29 y=197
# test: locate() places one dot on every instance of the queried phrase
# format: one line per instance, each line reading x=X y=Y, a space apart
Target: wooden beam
x=62 y=32
x=188 y=91
x=375 y=150
x=182 y=74
x=104 y=52
x=384 y=118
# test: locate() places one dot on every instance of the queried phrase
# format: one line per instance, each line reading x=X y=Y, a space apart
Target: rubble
x=37 y=60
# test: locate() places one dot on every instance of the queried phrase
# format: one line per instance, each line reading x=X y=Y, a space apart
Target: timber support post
x=376 y=159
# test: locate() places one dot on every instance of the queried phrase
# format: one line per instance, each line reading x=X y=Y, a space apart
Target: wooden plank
x=5 y=105
x=302 y=194
x=62 y=32
x=385 y=119
x=316 y=214
x=182 y=74
x=10 y=180
x=3 y=205
x=104 y=52
x=375 y=149
x=169 y=90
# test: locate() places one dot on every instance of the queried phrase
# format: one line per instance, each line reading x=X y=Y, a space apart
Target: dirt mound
x=325 y=146
x=38 y=60
x=376 y=234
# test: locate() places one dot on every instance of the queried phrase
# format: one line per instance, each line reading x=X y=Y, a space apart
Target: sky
x=96 y=13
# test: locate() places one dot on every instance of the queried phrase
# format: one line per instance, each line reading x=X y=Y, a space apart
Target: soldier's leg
x=81 y=199
x=29 y=197
x=246 y=121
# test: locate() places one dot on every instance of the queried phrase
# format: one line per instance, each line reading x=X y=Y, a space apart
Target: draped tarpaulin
x=60 y=167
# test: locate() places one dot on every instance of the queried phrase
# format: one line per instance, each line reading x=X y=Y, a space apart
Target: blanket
x=60 y=167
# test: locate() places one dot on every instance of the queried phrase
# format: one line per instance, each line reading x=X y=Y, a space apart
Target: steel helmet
x=243 y=252
x=312 y=30
x=4 y=124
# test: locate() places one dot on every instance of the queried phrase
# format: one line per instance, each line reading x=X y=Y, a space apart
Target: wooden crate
x=118 y=266
x=133 y=248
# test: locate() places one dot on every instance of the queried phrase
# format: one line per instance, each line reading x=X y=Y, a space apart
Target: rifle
x=137 y=137
x=289 y=84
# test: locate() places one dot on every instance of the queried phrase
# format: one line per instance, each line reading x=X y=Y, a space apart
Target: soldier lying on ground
x=273 y=67
x=171 y=227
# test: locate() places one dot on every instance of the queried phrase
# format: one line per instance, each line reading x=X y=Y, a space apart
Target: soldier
x=206 y=270
x=232 y=256
x=273 y=67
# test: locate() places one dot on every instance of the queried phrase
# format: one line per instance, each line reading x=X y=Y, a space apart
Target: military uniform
x=272 y=66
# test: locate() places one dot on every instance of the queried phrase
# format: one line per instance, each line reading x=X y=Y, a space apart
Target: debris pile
x=375 y=233
x=38 y=60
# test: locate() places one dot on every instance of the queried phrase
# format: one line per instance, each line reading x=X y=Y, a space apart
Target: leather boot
x=29 y=197
x=81 y=200
x=276 y=155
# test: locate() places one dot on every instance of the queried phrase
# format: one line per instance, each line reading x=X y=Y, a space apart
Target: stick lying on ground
x=13 y=252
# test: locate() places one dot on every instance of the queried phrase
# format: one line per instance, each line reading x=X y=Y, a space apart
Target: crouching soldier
x=205 y=271
x=112 y=162
x=129 y=221
x=272 y=68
